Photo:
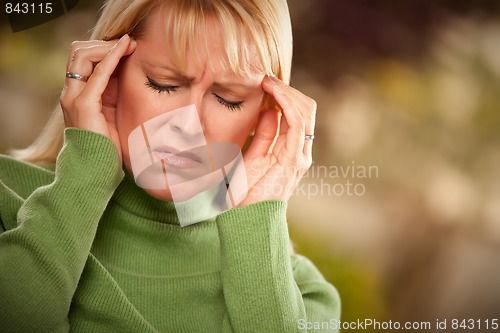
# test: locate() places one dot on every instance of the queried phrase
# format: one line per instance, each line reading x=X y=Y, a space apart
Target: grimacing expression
x=150 y=84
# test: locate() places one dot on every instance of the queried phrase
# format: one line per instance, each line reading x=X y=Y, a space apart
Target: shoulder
x=23 y=178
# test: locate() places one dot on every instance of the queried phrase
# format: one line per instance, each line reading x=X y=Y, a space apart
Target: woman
x=90 y=247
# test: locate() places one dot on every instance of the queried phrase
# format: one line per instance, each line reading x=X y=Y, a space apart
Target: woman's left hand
x=274 y=168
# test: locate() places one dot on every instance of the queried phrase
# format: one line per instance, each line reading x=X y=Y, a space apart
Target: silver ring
x=76 y=76
x=309 y=137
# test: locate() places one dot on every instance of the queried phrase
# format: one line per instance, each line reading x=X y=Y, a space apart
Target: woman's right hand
x=91 y=104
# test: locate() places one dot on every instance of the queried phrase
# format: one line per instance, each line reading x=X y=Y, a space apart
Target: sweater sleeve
x=265 y=288
x=41 y=259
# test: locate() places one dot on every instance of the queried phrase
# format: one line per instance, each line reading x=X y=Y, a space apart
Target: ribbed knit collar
x=141 y=235
x=138 y=202
x=134 y=199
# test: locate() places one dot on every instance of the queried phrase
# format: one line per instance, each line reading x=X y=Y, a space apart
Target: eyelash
x=232 y=106
x=159 y=89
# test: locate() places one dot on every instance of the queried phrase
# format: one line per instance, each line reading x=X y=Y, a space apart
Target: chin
x=163 y=195
x=182 y=193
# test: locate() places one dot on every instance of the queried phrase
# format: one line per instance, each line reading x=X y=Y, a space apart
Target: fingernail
x=123 y=38
x=274 y=78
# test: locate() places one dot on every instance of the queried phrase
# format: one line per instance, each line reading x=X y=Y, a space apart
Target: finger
x=309 y=106
x=93 y=52
x=79 y=63
x=99 y=79
x=269 y=82
x=306 y=106
x=265 y=133
x=85 y=44
x=295 y=125
x=82 y=62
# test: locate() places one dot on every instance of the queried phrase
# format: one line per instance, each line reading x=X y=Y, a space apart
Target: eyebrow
x=222 y=85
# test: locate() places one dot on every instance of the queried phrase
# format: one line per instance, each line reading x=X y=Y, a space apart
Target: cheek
x=124 y=114
x=229 y=128
x=134 y=104
x=129 y=97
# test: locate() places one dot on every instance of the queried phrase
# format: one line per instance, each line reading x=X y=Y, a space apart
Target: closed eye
x=160 y=88
x=233 y=106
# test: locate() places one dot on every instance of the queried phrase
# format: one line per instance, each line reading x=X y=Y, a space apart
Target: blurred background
x=401 y=208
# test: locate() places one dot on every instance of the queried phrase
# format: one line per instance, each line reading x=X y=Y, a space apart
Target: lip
x=177 y=159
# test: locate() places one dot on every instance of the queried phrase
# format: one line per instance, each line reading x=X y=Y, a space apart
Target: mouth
x=177 y=159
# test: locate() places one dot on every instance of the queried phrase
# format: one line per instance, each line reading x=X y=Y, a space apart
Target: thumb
x=265 y=133
x=110 y=94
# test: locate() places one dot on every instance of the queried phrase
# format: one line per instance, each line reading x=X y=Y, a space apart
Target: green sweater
x=84 y=249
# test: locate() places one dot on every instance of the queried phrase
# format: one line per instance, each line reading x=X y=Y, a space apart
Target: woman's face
x=162 y=111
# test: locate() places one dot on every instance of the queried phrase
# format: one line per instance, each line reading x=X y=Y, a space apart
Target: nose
x=187 y=121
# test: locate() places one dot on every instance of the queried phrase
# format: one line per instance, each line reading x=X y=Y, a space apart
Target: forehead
x=188 y=39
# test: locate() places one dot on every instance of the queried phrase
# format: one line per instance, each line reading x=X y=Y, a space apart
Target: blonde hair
x=265 y=24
